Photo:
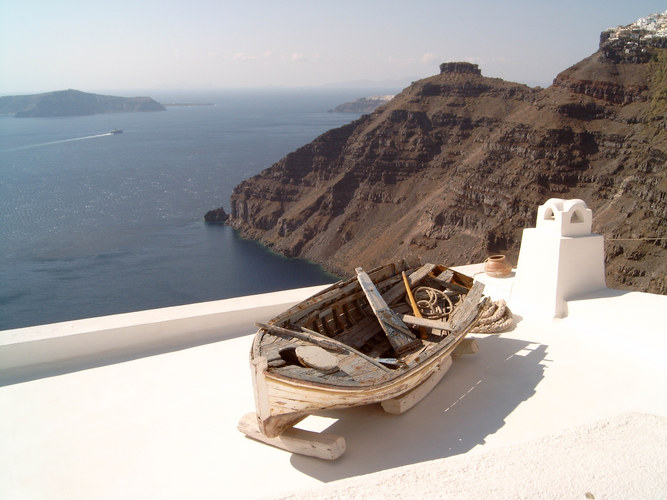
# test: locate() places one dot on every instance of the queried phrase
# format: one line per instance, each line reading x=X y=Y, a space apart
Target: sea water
x=93 y=223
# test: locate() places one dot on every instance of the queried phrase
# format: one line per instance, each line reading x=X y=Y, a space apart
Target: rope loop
x=432 y=303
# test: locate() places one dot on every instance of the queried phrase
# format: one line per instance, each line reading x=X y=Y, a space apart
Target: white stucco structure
x=559 y=259
x=145 y=405
x=46 y=349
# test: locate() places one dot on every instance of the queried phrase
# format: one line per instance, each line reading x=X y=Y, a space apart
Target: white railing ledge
x=38 y=351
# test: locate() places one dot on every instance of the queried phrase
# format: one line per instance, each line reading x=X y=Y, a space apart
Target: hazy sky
x=96 y=45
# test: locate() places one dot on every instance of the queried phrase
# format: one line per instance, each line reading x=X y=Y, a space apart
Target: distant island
x=186 y=104
x=362 y=105
x=73 y=103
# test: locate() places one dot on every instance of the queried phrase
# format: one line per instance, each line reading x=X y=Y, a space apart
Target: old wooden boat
x=385 y=336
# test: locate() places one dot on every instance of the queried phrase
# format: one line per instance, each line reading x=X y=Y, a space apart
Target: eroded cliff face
x=454 y=167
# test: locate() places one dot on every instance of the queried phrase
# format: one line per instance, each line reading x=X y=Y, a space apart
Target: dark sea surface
x=93 y=223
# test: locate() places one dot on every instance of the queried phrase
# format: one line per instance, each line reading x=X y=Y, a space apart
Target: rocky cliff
x=455 y=166
x=73 y=103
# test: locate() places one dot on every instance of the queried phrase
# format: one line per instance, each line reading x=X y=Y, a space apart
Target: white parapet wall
x=560 y=259
x=33 y=352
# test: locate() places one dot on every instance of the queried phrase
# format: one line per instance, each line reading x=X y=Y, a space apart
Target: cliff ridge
x=454 y=167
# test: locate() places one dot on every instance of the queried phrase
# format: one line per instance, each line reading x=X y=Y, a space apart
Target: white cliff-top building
x=654 y=25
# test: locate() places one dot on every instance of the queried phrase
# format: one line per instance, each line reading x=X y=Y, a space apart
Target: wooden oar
x=413 y=303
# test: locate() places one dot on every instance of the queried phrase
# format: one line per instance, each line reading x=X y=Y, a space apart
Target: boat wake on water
x=50 y=143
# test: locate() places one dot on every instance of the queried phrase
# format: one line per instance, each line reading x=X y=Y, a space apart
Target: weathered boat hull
x=281 y=402
x=283 y=396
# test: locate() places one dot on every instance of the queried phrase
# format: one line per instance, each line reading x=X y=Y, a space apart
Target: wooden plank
x=339 y=319
x=468 y=310
x=397 y=291
x=352 y=350
x=361 y=370
x=312 y=324
x=310 y=336
x=445 y=279
x=337 y=294
x=302 y=442
x=359 y=334
x=321 y=340
x=258 y=366
x=413 y=304
x=306 y=374
x=325 y=326
x=436 y=324
x=352 y=312
x=377 y=346
x=405 y=401
x=399 y=335
x=320 y=326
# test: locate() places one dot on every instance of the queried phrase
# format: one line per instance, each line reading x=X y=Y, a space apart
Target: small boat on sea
x=116 y=131
x=385 y=336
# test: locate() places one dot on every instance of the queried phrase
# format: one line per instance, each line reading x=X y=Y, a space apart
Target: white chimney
x=560 y=259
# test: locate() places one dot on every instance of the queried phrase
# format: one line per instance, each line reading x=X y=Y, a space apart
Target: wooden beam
x=258 y=366
x=309 y=336
x=400 y=337
x=354 y=351
x=436 y=324
x=312 y=444
x=397 y=291
x=413 y=304
x=467 y=312
x=446 y=279
x=357 y=335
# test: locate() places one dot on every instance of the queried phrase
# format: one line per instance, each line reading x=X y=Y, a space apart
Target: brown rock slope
x=456 y=165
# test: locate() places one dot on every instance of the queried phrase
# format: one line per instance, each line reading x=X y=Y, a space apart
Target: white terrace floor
x=564 y=408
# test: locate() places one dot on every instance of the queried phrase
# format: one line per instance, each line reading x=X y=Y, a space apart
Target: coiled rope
x=432 y=303
x=496 y=317
x=435 y=304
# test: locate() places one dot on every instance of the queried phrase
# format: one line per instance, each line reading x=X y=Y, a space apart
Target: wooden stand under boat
x=312 y=444
x=350 y=345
